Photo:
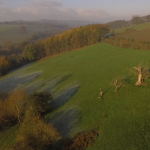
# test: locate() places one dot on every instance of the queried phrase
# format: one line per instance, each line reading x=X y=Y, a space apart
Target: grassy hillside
x=140 y=35
x=136 y=27
x=75 y=78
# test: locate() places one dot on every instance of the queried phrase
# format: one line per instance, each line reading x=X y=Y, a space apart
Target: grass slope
x=124 y=117
x=136 y=27
x=140 y=35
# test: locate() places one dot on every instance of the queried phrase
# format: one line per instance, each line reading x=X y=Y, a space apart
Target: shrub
x=11 y=108
x=35 y=136
x=36 y=104
x=81 y=140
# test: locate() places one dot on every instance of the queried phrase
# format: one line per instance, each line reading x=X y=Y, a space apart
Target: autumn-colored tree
x=29 y=52
x=4 y=65
x=12 y=108
x=35 y=135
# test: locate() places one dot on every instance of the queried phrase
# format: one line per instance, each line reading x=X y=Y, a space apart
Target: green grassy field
x=11 y=33
x=124 y=117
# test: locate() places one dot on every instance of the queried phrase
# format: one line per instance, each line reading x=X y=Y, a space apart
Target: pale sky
x=89 y=10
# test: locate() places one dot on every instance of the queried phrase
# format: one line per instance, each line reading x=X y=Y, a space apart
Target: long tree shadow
x=65 y=96
x=11 y=82
x=64 y=121
x=53 y=82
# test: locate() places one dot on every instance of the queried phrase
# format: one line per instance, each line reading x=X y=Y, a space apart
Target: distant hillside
x=135 y=20
x=11 y=31
x=70 y=23
x=139 y=35
x=135 y=27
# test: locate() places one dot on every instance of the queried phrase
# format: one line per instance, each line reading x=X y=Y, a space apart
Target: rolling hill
x=74 y=78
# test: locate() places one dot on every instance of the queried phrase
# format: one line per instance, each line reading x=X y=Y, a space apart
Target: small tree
x=35 y=136
x=16 y=103
x=12 y=108
x=36 y=104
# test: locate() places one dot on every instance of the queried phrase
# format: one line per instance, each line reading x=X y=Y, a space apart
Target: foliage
x=81 y=140
x=34 y=133
x=37 y=103
x=4 y=65
x=118 y=24
x=12 y=108
x=35 y=136
x=29 y=52
x=128 y=43
x=137 y=20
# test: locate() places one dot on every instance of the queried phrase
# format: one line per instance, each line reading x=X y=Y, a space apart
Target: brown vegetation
x=128 y=43
x=35 y=136
x=11 y=108
x=81 y=140
x=140 y=35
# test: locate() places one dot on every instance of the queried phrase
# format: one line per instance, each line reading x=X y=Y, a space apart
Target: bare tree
x=101 y=94
x=143 y=73
x=116 y=85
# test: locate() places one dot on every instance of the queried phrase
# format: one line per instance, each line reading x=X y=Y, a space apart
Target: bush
x=81 y=140
x=35 y=136
x=36 y=104
x=11 y=108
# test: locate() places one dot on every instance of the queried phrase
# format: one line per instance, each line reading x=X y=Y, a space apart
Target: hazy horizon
x=87 y=10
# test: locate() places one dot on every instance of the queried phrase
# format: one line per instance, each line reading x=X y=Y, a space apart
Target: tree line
x=15 y=55
x=135 y=20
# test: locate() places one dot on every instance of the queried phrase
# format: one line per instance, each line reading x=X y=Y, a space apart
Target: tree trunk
x=18 y=114
x=139 y=82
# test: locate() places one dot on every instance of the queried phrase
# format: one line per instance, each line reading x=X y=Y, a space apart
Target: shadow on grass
x=53 y=82
x=64 y=121
x=11 y=82
x=65 y=96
